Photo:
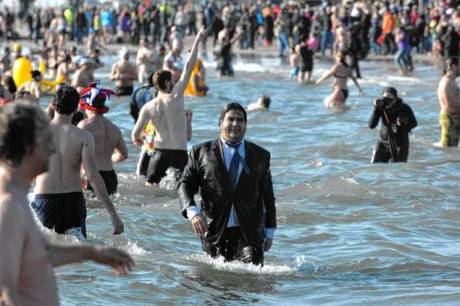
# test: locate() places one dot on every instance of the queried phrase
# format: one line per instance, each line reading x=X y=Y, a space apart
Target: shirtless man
x=172 y=123
x=124 y=74
x=26 y=257
x=84 y=75
x=145 y=61
x=449 y=101
x=110 y=145
x=59 y=201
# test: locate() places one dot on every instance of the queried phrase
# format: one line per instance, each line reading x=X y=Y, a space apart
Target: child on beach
x=294 y=63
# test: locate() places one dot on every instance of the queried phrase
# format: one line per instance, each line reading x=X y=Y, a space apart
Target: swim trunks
x=61 y=211
x=345 y=93
x=125 y=90
x=294 y=72
x=161 y=160
x=110 y=180
x=450 y=129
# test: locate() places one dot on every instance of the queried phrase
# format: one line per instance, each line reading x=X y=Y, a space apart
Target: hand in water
x=118 y=226
x=120 y=261
x=199 y=225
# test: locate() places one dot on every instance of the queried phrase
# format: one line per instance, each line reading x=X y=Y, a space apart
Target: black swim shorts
x=125 y=90
x=61 y=211
x=161 y=160
x=110 y=180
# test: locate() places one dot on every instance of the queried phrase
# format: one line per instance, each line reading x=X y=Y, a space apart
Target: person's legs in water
x=381 y=153
x=403 y=154
x=232 y=247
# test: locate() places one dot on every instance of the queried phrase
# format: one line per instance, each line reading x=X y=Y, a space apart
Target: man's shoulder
x=76 y=133
x=205 y=146
x=10 y=209
x=258 y=149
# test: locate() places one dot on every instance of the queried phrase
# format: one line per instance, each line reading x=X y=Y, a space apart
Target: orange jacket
x=388 y=23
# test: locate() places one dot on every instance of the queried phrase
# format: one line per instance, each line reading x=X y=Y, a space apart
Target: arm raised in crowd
x=180 y=86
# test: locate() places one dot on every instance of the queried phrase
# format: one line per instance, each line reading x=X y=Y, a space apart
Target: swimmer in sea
x=262 y=104
x=124 y=73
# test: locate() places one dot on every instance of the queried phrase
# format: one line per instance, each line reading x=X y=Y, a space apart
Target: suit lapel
x=219 y=156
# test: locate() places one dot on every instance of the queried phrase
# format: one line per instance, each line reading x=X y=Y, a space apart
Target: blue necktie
x=234 y=164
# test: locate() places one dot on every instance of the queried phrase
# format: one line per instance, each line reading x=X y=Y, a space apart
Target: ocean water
x=348 y=232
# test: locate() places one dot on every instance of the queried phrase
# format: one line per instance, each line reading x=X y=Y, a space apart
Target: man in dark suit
x=237 y=215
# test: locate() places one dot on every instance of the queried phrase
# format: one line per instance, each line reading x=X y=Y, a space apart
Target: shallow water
x=348 y=232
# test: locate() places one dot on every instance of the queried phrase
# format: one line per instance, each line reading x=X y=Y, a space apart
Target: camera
x=383 y=102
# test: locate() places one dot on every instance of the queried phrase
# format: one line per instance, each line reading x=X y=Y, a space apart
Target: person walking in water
x=449 y=102
x=59 y=203
x=341 y=71
x=172 y=123
x=27 y=259
x=237 y=215
x=110 y=146
x=124 y=73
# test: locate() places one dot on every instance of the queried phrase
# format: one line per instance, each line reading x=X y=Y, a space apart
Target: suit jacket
x=252 y=198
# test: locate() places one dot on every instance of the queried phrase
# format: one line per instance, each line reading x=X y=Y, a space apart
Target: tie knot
x=233 y=145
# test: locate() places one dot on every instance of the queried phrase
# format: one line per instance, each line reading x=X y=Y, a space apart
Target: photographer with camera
x=397 y=121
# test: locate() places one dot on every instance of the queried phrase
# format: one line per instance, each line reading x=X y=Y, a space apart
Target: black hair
x=232 y=106
x=160 y=78
x=66 y=100
x=450 y=62
x=36 y=74
x=10 y=84
x=19 y=123
x=150 y=80
x=391 y=90
x=266 y=101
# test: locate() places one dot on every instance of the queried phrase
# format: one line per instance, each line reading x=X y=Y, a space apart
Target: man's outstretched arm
x=180 y=86
x=60 y=255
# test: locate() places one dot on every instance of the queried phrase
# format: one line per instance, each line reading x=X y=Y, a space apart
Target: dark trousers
x=233 y=247
x=382 y=154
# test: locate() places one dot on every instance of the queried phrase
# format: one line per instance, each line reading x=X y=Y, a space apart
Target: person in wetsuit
x=397 y=121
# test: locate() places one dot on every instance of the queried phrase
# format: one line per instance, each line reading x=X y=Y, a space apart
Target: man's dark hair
x=19 y=122
x=150 y=80
x=450 y=62
x=10 y=84
x=66 y=100
x=266 y=101
x=391 y=90
x=160 y=78
x=232 y=106
x=36 y=74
